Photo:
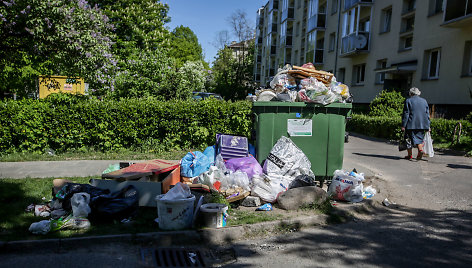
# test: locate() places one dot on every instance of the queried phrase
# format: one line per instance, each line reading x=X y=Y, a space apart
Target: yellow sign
x=56 y=84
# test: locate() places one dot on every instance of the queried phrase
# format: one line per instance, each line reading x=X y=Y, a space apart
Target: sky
x=208 y=17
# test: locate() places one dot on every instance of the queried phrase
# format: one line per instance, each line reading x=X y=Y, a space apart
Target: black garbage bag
x=66 y=193
x=118 y=205
x=302 y=181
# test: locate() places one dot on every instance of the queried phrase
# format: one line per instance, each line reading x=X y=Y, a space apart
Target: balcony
x=288 y=14
x=457 y=13
x=355 y=43
x=348 y=4
x=260 y=22
x=318 y=56
x=317 y=22
x=273 y=4
x=286 y=40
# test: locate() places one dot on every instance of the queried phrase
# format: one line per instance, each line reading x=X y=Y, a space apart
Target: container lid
x=300 y=104
x=213 y=207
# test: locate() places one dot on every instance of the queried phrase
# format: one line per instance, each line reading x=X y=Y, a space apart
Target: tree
x=53 y=37
x=191 y=77
x=148 y=73
x=139 y=24
x=185 y=46
x=233 y=66
x=142 y=45
x=222 y=39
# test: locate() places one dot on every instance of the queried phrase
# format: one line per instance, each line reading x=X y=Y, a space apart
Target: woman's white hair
x=414 y=91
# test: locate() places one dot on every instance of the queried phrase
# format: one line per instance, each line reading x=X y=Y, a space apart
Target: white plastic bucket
x=214 y=215
x=175 y=214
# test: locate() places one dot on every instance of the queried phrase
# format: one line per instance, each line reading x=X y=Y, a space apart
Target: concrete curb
x=208 y=236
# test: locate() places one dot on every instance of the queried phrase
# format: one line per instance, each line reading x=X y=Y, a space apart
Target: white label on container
x=300 y=127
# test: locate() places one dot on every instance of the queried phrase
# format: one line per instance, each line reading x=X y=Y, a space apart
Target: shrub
x=65 y=123
x=387 y=127
x=387 y=103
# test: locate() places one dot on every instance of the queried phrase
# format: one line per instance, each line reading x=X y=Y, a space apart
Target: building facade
x=372 y=45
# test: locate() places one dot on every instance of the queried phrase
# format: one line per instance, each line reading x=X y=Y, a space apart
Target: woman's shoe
x=420 y=155
x=408 y=157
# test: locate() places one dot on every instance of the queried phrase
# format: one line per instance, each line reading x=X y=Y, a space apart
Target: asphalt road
x=429 y=226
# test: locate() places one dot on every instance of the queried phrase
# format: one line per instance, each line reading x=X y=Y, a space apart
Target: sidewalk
x=367 y=155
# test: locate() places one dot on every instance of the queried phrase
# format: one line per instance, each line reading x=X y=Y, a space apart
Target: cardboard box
x=148 y=185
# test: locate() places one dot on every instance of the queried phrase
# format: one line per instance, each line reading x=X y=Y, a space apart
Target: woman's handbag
x=402 y=145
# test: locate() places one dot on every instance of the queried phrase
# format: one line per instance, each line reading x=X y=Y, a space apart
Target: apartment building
x=372 y=45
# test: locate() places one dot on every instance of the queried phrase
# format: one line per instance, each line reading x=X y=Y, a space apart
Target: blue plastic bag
x=210 y=153
x=194 y=163
x=265 y=207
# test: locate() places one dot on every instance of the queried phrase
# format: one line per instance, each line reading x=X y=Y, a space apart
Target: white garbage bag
x=268 y=188
x=346 y=186
x=286 y=159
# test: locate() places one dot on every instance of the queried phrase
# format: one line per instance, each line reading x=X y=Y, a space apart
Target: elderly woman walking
x=415 y=122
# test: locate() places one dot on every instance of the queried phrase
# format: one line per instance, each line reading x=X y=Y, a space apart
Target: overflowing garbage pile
x=304 y=84
x=74 y=205
x=179 y=189
x=240 y=176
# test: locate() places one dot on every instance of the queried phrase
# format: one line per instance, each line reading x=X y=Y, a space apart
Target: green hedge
x=64 y=123
x=390 y=127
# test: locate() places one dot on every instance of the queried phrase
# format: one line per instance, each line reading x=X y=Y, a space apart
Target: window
x=358 y=74
x=381 y=64
x=334 y=6
x=467 y=64
x=386 y=20
x=408 y=6
x=297 y=29
x=364 y=25
x=299 y=3
x=341 y=75
x=283 y=31
x=470 y=61
x=408 y=24
x=332 y=41
x=435 y=7
x=433 y=58
x=319 y=50
x=406 y=43
x=284 y=4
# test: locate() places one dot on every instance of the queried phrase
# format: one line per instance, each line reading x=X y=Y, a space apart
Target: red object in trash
x=217 y=185
x=142 y=169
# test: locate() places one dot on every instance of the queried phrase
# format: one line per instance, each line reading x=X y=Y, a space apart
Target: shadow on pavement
x=459 y=166
x=401 y=236
x=392 y=157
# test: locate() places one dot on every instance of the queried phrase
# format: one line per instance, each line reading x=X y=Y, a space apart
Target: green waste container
x=316 y=129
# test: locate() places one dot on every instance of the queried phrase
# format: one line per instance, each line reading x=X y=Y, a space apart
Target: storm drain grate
x=172 y=257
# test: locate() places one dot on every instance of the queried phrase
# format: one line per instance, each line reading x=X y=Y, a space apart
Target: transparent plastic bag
x=179 y=191
x=80 y=205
